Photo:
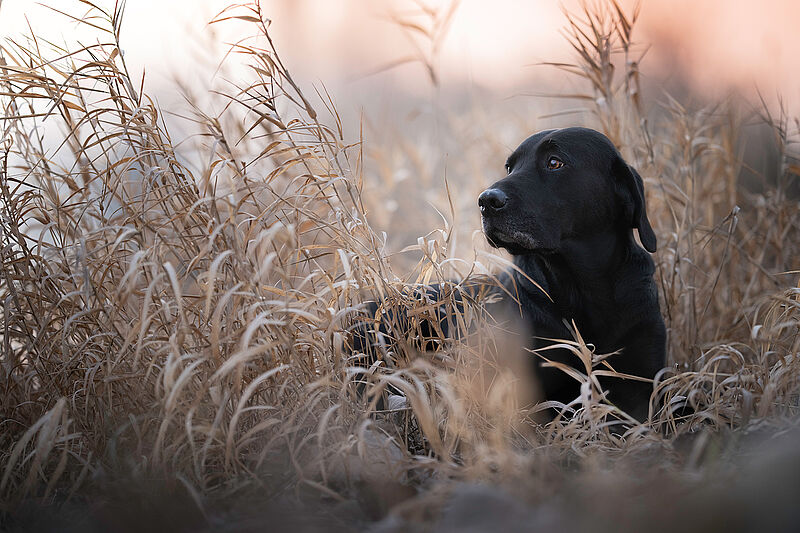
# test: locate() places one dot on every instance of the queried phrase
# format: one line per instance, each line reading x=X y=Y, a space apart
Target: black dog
x=566 y=212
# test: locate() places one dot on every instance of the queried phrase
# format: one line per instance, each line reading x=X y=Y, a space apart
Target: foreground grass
x=181 y=330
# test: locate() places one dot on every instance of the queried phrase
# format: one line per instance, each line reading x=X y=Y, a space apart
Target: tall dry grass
x=176 y=321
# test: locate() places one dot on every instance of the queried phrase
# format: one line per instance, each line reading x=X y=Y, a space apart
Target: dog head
x=563 y=184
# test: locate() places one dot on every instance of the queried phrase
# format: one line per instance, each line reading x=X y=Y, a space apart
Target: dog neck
x=581 y=277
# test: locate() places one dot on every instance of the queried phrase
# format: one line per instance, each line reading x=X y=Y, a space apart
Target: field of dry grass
x=176 y=313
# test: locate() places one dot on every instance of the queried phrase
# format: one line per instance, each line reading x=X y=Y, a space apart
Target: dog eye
x=508 y=169
x=554 y=163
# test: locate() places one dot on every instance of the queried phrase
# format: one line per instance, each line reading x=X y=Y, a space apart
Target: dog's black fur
x=566 y=212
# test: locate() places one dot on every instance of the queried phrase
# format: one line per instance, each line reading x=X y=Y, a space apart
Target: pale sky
x=718 y=42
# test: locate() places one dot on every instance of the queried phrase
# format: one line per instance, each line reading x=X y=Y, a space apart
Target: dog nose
x=492 y=200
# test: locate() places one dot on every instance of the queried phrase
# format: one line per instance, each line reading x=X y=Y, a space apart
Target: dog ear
x=631 y=181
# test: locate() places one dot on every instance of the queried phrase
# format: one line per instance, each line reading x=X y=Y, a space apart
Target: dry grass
x=184 y=316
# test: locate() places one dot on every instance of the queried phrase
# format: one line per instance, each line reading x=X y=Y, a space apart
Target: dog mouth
x=515 y=241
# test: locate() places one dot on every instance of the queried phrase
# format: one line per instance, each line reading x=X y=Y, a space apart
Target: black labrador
x=566 y=212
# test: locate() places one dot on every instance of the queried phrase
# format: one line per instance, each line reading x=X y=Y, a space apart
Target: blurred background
x=709 y=47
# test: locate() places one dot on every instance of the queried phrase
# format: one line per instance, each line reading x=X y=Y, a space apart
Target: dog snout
x=492 y=200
